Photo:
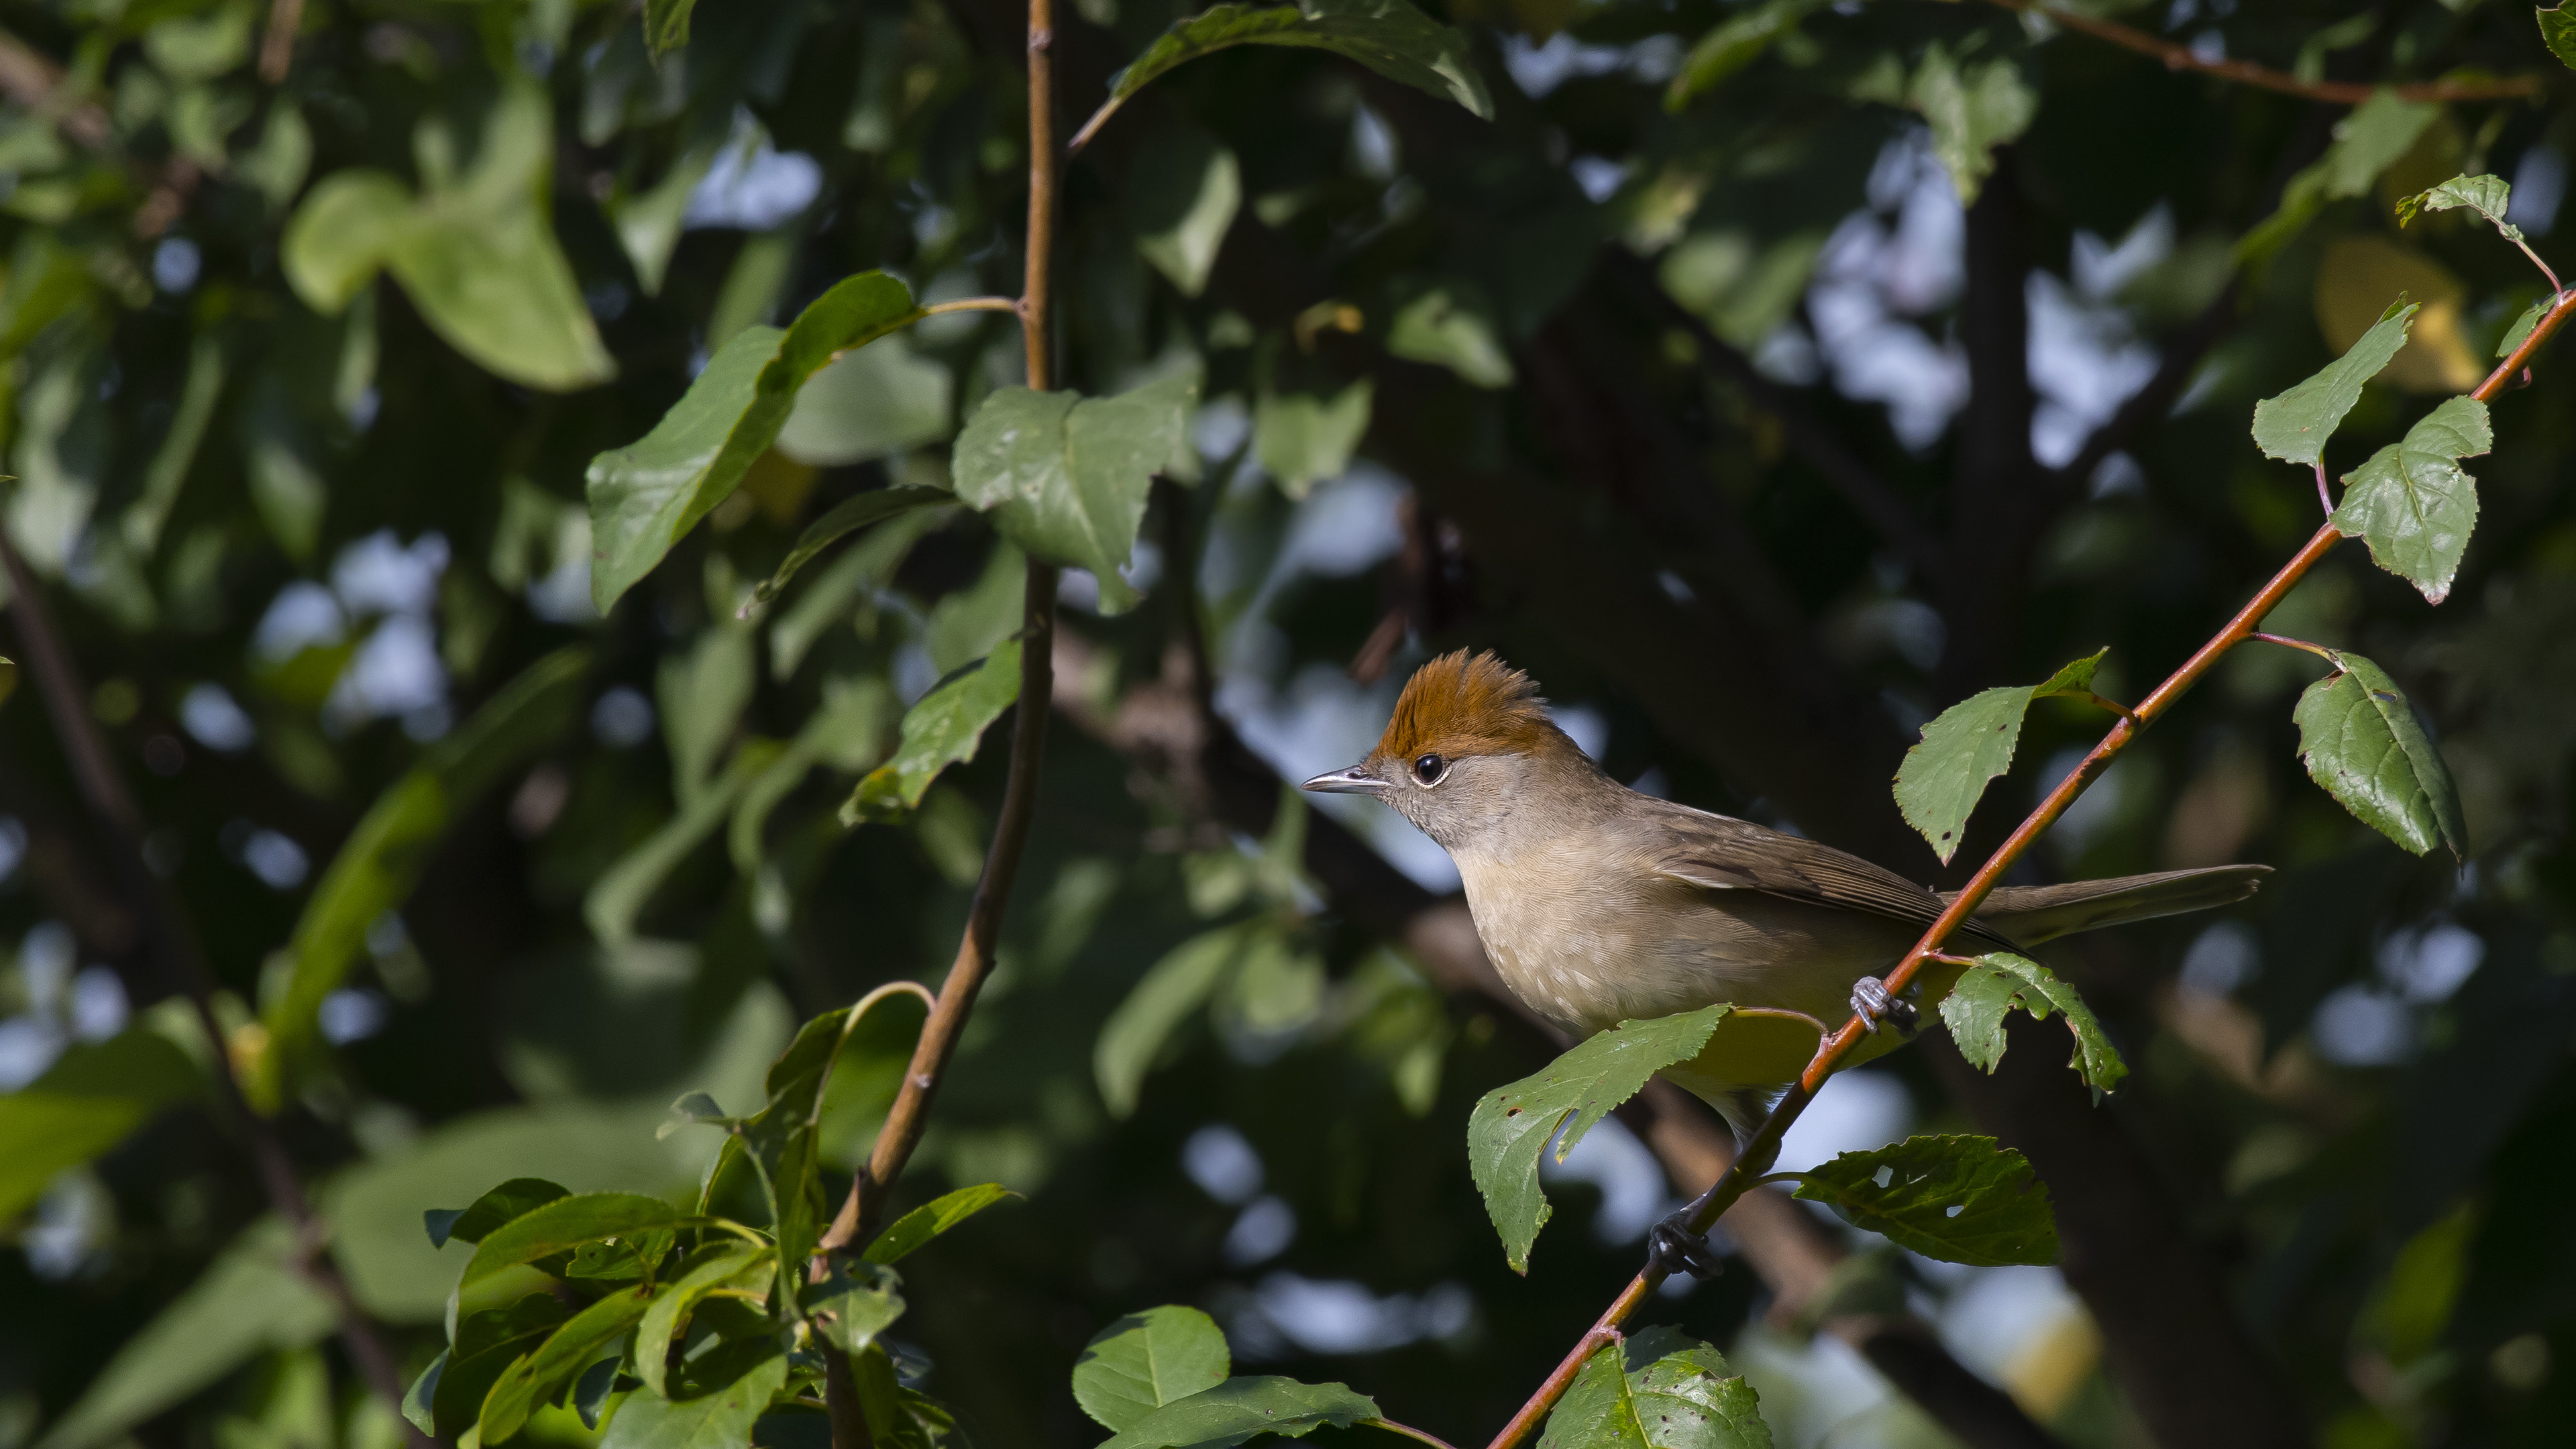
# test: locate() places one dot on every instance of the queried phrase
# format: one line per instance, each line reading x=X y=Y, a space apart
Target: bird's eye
x=1429 y=769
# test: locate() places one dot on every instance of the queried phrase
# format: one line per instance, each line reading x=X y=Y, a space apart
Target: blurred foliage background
x=1687 y=381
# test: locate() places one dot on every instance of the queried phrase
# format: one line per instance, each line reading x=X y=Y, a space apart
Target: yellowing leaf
x=2355 y=279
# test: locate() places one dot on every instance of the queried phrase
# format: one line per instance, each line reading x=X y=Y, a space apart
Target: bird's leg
x=1871 y=1002
x=1672 y=1248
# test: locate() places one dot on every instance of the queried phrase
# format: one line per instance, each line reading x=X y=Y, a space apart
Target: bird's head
x=1468 y=747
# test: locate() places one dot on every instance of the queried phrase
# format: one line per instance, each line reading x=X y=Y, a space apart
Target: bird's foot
x=1672 y=1248
x=1872 y=1003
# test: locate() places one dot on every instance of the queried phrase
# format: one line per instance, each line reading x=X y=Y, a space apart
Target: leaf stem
x=973 y=304
x=2554 y=288
x=1764 y=1149
x=1091 y=128
x=2319 y=650
x=2325 y=499
x=1408 y=1431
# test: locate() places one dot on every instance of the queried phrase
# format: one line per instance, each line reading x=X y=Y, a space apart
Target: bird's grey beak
x=1354 y=781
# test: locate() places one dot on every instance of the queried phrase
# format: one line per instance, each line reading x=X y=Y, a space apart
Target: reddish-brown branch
x=1759 y=1154
x=2245 y=72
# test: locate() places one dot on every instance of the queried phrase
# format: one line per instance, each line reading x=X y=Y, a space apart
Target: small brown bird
x=1599 y=904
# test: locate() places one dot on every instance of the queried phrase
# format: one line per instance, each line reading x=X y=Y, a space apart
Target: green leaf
x=2413 y=502
x=422 y=1394
x=2378 y=133
x=1733 y=44
x=93 y=1097
x=2558 y=30
x=847 y=517
x=617 y=899
x=2522 y=325
x=1972 y=109
x=718 y=1419
x=1513 y=1123
x=486 y=1346
x=878 y=401
x=1240 y=1408
x=2488 y=196
x=855 y=1304
x=898 y=1417
x=381 y=861
x=666 y=25
x=249 y=1301
x=942 y=728
x=1146 y=1360
x=1988 y=991
x=2294 y=426
x=2364 y=744
x=1182 y=192
x=646 y=496
x=917 y=1227
x=476 y=252
x=1388 y=36
x=1172 y=988
x=1958 y=1199
x=1304 y=438
x=1452 y=326
x=563 y=1225
x=542 y=1376
x=476 y=1220
x=1965 y=746
x=722 y=1265
x=1683 y=1398
x=1065 y=477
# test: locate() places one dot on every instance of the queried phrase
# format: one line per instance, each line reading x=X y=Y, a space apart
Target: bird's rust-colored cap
x=1463 y=704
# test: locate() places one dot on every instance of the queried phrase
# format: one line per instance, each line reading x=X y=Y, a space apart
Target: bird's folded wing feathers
x=1719 y=853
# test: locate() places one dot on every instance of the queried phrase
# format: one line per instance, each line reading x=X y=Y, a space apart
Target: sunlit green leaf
x=646 y=496
x=92 y=1098
x=917 y=1227
x=2294 y=426
x=942 y=728
x=1660 y=1390
x=1967 y=745
x=720 y=1418
x=1451 y=325
x=2363 y=743
x=476 y=1219
x=2413 y=502
x=1146 y=1360
x=486 y=1346
x=666 y=25
x=855 y=1304
x=1989 y=991
x=1239 y=1408
x=1065 y=477
x=1388 y=36
x=2488 y=196
x=1957 y=1199
x=1512 y=1124
x=563 y=1225
x=528 y=1384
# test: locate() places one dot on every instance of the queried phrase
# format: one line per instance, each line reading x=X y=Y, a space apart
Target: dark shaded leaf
x=543 y=1375
x=1958 y=1199
x=932 y=1218
x=1732 y=44
x=93 y=1097
x=1388 y=36
x=728 y=1264
x=1239 y=1408
x=848 y=517
x=720 y=1418
x=474 y=1220
x=2558 y=29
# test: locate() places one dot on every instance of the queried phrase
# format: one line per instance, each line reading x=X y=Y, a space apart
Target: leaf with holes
x=1989 y=991
x=1659 y=1390
x=646 y=496
x=1513 y=1123
x=2488 y=196
x=1388 y=36
x=1065 y=476
x=1970 y=743
x=2294 y=426
x=943 y=728
x=1958 y=1199
x=1237 y=1409
x=2363 y=743
x=1146 y=1360
x=2414 y=504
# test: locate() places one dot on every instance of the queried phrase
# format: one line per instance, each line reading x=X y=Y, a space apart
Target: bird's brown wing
x=1718 y=852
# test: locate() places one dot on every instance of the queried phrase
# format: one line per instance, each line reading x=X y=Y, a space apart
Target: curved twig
x=2246 y=72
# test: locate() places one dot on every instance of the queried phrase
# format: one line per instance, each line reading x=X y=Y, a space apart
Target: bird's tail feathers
x=2032 y=914
x=1745 y=1109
